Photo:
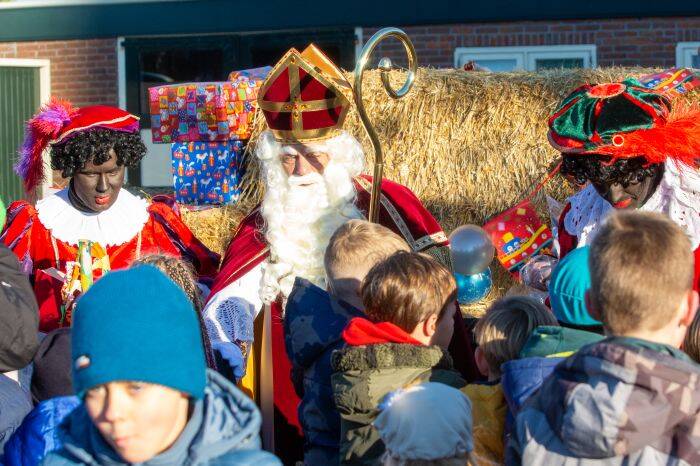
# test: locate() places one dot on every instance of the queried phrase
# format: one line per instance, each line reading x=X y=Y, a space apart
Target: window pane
x=503 y=64
x=555 y=63
x=695 y=61
x=177 y=66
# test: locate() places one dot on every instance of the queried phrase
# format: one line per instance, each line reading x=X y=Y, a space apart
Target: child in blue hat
x=570 y=280
x=147 y=397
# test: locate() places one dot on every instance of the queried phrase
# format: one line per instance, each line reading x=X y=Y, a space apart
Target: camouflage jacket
x=612 y=404
x=312 y=327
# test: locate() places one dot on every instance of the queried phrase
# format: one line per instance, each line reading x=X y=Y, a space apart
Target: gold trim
x=431 y=240
x=303 y=105
x=417 y=245
x=83 y=128
x=309 y=135
x=319 y=67
x=393 y=213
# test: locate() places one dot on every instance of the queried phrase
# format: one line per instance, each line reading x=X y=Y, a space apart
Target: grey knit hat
x=430 y=421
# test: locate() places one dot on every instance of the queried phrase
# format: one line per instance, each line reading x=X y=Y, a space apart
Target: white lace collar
x=116 y=225
x=678 y=196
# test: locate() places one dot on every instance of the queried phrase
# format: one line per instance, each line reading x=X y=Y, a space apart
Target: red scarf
x=361 y=331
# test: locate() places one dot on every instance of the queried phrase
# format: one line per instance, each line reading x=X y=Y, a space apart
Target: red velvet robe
x=402 y=212
x=569 y=242
x=164 y=232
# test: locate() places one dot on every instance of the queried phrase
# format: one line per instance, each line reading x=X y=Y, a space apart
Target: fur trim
x=676 y=139
x=40 y=129
x=390 y=355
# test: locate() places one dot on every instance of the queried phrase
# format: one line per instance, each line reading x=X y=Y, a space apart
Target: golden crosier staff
x=385 y=66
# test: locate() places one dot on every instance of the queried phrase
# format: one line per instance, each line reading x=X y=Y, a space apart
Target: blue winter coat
x=520 y=378
x=313 y=325
x=224 y=429
x=14 y=406
x=38 y=434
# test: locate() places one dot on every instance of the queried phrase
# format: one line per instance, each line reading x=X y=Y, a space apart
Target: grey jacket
x=14 y=406
x=612 y=404
x=223 y=430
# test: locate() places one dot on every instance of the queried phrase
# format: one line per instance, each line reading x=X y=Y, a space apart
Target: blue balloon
x=473 y=288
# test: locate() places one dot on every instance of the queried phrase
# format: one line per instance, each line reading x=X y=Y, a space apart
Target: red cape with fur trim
x=31 y=241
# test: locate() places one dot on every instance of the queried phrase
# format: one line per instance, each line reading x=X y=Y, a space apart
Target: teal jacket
x=223 y=429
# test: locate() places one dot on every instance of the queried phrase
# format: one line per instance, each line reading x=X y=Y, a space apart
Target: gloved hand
x=537 y=272
x=231 y=352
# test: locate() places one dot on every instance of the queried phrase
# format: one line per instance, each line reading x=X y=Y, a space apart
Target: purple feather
x=39 y=130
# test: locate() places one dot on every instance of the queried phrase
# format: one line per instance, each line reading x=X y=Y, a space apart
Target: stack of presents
x=208 y=126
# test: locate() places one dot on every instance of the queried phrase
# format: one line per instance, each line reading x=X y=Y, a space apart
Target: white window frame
x=44 y=97
x=526 y=56
x=684 y=53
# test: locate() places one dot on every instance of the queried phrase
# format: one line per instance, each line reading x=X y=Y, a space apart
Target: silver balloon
x=471 y=250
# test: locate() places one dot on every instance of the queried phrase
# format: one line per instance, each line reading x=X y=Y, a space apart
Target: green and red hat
x=625 y=120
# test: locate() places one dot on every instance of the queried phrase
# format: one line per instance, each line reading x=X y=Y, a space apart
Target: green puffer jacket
x=364 y=375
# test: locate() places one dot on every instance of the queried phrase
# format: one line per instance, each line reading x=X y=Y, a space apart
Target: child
x=314 y=321
x=182 y=273
x=548 y=345
x=427 y=424
x=500 y=334
x=570 y=280
x=409 y=300
x=147 y=397
x=51 y=381
x=632 y=398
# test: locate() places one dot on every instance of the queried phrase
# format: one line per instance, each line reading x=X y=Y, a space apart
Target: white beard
x=301 y=214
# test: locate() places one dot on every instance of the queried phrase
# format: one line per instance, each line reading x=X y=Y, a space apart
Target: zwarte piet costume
x=64 y=249
x=620 y=136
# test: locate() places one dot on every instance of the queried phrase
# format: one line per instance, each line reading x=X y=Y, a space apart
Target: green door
x=19 y=100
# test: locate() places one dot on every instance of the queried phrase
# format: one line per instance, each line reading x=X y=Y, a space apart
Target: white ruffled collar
x=677 y=196
x=116 y=225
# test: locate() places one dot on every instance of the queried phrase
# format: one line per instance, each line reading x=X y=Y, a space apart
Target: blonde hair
x=503 y=331
x=641 y=266
x=407 y=288
x=352 y=251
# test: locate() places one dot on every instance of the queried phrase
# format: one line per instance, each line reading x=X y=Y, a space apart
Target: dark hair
x=73 y=154
x=598 y=169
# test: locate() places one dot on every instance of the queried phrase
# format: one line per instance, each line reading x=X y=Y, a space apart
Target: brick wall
x=83 y=71
x=624 y=42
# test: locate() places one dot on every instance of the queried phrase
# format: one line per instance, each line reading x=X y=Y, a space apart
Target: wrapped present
x=214 y=111
x=251 y=75
x=518 y=234
x=672 y=82
x=207 y=172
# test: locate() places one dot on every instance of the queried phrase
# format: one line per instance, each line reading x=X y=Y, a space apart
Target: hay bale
x=214 y=226
x=469 y=144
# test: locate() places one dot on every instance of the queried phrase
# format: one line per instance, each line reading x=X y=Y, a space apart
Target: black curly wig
x=94 y=145
x=598 y=169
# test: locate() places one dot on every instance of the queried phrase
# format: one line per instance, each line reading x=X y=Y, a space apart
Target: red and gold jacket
x=38 y=250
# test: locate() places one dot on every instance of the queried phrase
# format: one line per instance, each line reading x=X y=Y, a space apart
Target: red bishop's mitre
x=305 y=97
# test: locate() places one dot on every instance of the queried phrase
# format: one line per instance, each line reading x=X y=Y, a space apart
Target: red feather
x=677 y=139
